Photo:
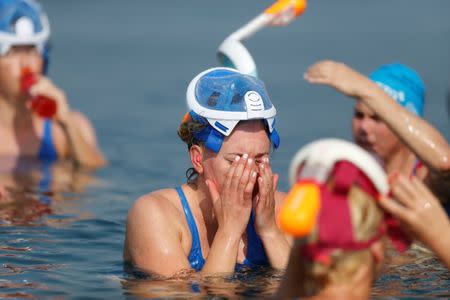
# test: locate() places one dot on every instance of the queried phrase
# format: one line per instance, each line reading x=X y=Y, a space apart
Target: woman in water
x=387 y=121
x=224 y=215
x=24 y=35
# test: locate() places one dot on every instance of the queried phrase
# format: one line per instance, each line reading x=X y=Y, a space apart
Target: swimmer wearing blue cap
x=24 y=49
x=393 y=130
x=224 y=216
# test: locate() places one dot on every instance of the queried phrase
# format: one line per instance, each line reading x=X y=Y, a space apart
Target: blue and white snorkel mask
x=23 y=22
x=221 y=97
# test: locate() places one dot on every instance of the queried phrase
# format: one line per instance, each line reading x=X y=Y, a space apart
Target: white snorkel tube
x=232 y=53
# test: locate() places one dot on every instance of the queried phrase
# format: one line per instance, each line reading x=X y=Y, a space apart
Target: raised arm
x=422 y=138
x=153 y=242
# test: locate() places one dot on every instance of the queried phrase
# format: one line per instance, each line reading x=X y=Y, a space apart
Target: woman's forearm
x=82 y=152
x=277 y=249
x=222 y=254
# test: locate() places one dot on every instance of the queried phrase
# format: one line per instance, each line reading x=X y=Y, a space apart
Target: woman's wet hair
x=186 y=132
x=366 y=219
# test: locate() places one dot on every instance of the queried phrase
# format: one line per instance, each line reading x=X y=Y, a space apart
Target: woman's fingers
x=246 y=176
x=394 y=208
x=410 y=189
x=423 y=192
x=238 y=173
x=248 y=191
x=262 y=182
x=230 y=174
x=275 y=182
x=402 y=192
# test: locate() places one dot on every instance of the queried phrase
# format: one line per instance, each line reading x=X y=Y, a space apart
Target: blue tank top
x=256 y=255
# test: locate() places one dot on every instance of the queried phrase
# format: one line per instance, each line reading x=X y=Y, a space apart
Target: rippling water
x=127 y=64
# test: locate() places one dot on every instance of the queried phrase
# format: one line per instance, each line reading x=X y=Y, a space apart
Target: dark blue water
x=126 y=64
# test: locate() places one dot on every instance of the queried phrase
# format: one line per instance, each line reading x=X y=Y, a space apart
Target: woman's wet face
x=372 y=134
x=249 y=137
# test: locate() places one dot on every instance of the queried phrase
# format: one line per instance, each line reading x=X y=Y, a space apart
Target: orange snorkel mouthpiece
x=186 y=118
x=299 y=7
x=299 y=211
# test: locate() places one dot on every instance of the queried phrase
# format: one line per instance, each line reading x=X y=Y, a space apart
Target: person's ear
x=196 y=155
x=377 y=250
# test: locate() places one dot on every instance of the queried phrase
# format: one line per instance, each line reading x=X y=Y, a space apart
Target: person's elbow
x=92 y=162
x=443 y=164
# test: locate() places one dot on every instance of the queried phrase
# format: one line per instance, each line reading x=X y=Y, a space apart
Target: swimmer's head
x=333 y=201
x=24 y=23
x=403 y=84
x=222 y=101
x=218 y=99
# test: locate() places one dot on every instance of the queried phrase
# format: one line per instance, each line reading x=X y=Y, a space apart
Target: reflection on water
x=415 y=273
x=35 y=196
x=258 y=283
x=32 y=188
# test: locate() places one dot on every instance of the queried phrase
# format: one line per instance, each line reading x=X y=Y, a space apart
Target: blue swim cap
x=403 y=84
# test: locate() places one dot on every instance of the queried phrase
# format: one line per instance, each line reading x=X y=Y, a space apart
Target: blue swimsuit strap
x=47 y=155
x=47 y=152
x=256 y=256
x=195 y=255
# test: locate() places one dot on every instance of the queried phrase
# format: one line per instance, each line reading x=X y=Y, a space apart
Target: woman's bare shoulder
x=157 y=203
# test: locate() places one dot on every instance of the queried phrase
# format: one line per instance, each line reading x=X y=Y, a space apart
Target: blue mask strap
x=46 y=58
x=274 y=138
x=212 y=138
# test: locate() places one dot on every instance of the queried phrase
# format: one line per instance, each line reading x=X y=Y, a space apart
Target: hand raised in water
x=420 y=213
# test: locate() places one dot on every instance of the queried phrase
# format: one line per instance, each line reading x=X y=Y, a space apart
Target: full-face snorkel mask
x=23 y=22
x=312 y=203
x=222 y=97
